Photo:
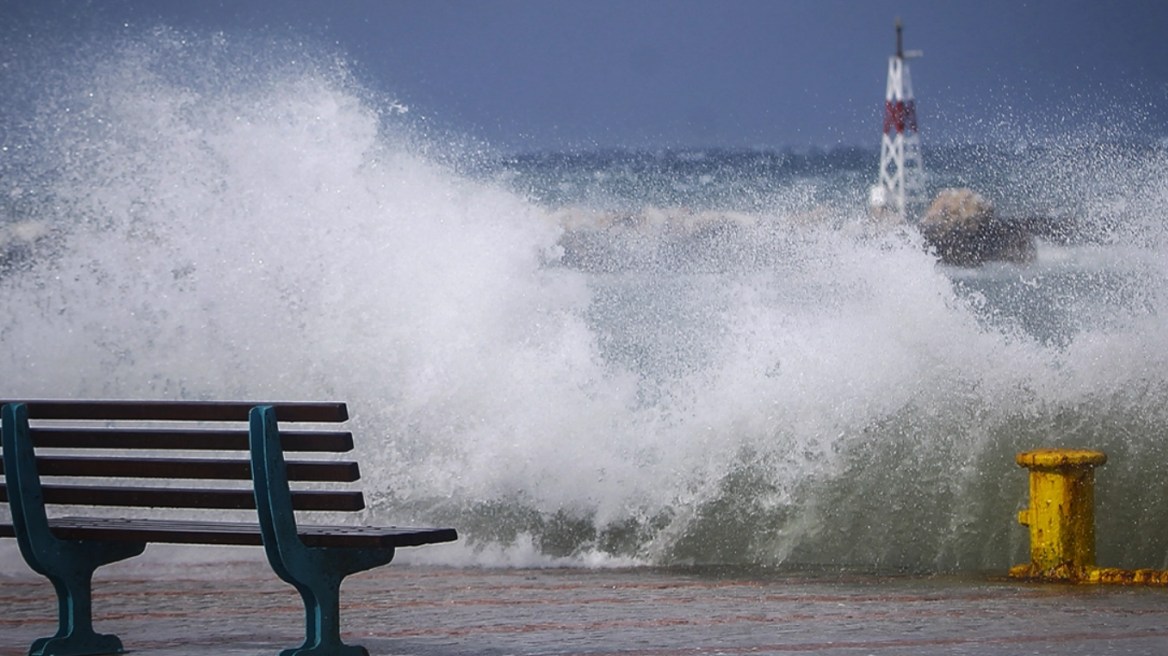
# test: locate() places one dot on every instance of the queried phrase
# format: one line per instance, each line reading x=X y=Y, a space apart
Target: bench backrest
x=116 y=453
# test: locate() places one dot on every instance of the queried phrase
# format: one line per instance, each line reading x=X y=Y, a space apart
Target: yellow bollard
x=1061 y=515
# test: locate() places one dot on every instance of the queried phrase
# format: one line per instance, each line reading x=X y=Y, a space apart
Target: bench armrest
x=270 y=480
x=23 y=483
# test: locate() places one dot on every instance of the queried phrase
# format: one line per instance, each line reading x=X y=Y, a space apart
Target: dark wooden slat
x=191 y=440
x=215 y=498
x=236 y=533
x=190 y=468
x=180 y=410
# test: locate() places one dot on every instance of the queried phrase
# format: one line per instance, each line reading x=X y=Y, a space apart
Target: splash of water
x=232 y=220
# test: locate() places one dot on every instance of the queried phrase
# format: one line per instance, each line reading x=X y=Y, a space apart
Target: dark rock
x=962 y=228
x=19 y=243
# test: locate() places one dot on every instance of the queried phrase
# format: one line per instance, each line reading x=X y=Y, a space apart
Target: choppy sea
x=594 y=358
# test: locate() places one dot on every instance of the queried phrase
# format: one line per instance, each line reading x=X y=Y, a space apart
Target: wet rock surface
x=19 y=242
x=963 y=229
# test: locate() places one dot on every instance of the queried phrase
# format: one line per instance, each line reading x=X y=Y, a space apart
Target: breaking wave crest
x=765 y=379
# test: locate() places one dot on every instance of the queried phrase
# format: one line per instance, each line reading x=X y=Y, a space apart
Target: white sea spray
x=758 y=377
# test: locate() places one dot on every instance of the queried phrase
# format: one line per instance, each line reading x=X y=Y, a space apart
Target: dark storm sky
x=529 y=75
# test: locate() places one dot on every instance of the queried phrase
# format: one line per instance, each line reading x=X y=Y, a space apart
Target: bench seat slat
x=189 y=468
x=191 y=440
x=236 y=533
x=144 y=497
x=180 y=411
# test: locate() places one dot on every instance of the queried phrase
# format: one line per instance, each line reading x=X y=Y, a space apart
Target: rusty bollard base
x=1098 y=575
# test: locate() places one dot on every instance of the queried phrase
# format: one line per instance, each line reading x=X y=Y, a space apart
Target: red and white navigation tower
x=901 y=175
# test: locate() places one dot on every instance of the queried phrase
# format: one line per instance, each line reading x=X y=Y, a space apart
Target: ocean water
x=592 y=358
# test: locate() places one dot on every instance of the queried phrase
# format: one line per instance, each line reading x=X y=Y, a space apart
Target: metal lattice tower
x=901 y=174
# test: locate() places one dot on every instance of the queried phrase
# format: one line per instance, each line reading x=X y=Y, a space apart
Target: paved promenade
x=242 y=609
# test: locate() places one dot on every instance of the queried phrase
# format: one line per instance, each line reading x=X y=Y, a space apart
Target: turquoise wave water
x=586 y=358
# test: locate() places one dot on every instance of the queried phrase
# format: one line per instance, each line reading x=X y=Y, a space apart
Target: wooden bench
x=82 y=450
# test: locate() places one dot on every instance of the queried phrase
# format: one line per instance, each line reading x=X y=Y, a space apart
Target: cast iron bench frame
x=67 y=550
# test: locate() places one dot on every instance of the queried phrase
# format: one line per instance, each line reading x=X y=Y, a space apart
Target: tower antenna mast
x=901 y=180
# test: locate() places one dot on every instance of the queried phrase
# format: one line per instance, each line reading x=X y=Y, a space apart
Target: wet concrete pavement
x=240 y=608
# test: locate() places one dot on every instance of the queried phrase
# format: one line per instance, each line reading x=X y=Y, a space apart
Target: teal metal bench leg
x=75 y=635
x=68 y=564
x=322 y=617
x=315 y=572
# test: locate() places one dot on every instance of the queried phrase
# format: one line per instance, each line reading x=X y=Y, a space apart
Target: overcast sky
x=550 y=74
